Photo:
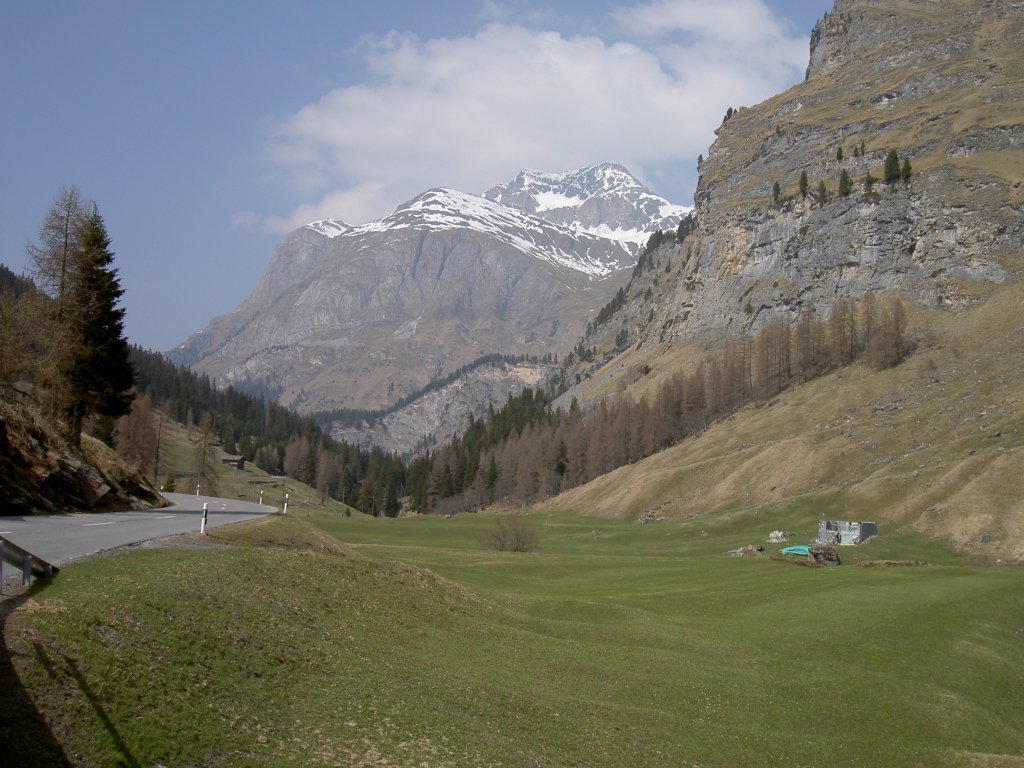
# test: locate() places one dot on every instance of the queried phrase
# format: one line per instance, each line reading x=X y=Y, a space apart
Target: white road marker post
x=261 y=497
x=285 y=505
x=202 y=526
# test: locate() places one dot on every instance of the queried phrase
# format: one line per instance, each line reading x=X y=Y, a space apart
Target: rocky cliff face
x=433 y=419
x=940 y=83
x=361 y=316
x=40 y=472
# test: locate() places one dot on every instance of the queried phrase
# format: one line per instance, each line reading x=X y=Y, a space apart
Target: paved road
x=61 y=538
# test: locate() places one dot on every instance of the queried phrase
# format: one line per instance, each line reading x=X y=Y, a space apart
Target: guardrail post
x=31 y=565
x=202 y=526
x=285 y=505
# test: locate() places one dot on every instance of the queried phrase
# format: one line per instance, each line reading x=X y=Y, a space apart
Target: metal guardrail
x=31 y=565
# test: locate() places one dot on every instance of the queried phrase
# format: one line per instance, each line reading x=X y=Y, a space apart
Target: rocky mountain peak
x=329 y=227
x=362 y=316
x=604 y=200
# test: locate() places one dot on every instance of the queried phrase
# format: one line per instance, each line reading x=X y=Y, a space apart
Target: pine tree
x=845 y=184
x=94 y=370
x=776 y=193
x=892 y=167
x=905 y=171
x=803 y=184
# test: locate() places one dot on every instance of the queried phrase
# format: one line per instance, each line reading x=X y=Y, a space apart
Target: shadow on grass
x=25 y=736
x=101 y=713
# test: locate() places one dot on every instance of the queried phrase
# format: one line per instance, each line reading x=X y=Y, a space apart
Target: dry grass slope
x=935 y=444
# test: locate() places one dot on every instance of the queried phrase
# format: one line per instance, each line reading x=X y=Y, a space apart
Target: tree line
x=893 y=171
x=263 y=432
x=527 y=451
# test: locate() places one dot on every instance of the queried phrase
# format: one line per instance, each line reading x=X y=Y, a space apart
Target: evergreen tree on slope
x=94 y=370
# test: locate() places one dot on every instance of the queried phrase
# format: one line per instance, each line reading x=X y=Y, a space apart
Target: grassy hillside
x=614 y=644
x=178 y=453
x=935 y=445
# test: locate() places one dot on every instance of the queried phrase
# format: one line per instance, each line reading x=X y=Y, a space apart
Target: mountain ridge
x=938 y=84
x=357 y=317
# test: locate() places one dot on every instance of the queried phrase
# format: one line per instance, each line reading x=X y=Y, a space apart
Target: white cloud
x=356 y=204
x=472 y=111
x=245 y=220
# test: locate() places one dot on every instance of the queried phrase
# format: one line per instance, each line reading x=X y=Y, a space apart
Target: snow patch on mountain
x=603 y=200
x=593 y=220
x=448 y=209
x=549 y=200
x=329 y=227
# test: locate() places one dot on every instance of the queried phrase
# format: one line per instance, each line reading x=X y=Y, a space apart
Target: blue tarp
x=798 y=549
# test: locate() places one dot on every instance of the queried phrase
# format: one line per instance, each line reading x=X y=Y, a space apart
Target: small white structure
x=845 y=532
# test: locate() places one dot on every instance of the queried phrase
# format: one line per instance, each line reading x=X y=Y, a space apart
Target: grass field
x=613 y=644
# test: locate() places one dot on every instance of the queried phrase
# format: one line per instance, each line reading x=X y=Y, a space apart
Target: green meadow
x=321 y=639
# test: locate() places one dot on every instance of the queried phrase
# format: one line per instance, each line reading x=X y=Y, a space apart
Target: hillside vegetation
x=934 y=444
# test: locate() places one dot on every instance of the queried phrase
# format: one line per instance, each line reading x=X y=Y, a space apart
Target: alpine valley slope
x=935 y=444
x=361 y=316
x=942 y=84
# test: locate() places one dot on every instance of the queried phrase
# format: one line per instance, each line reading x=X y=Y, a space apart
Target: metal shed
x=845 y=531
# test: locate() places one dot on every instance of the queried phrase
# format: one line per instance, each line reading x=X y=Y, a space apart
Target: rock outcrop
x=433 y=419
x=40 y=473
x=942 y=84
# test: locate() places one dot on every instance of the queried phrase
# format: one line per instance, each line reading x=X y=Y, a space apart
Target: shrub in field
x=510 y=534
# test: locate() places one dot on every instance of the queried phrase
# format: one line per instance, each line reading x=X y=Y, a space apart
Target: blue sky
x=205 y=130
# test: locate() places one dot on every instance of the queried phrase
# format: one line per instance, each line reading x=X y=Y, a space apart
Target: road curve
x=59 y=539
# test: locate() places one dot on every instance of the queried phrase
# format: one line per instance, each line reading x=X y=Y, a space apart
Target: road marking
x=167 y=517
x=5 y=533
x=86 y=525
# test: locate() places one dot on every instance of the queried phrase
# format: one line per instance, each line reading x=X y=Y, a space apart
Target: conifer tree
x=52 y=257
x=803 y=184
x=892 y=167
x=94 y=370
x=869 y=184
x=845 y=184
x=905 y=170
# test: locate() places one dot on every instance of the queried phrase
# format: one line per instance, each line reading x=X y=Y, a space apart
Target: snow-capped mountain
x=360 y=316
x=605 y=201
x=444 y=209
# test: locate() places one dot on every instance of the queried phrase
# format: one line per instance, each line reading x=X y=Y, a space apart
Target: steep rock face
x=361 y=316
x=433 y=419
x=943 y=85
x=40 y=472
